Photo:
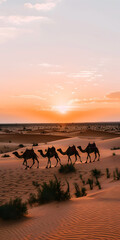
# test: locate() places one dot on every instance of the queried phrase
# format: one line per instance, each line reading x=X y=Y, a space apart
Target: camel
x=29 y=153
x=91 y=148
x=50 y=152
x=69 y=152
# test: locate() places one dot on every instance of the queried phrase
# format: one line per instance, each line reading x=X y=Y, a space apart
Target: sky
x=60 y=61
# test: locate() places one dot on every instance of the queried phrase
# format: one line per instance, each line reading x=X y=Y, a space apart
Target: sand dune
x=95 y=216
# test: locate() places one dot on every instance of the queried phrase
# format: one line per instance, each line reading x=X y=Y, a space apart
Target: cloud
x=57 y=73
x=114 y=95
x=49 y=5
x=8 y=33
x=47 y=65
x=82 y=74
x=2 y=1
x=18 y=20
x=30 y=97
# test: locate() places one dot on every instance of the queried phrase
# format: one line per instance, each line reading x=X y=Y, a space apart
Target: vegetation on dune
x=115 y=148
x=83 y=181
x=98 y=184
x=117 y=174
x=96 y=173
x=68 y=168
x=49 y=192
x=107 y=173
x=90 y=182
x=6 y=156
x=79 y=192
x=114 y=154
x=35 y=144
x=21 y=146
x=14 y=209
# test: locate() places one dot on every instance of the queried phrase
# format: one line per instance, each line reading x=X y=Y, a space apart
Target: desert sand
x=95 y=216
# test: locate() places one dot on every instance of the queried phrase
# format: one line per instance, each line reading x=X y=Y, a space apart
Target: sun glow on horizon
x=61 y=109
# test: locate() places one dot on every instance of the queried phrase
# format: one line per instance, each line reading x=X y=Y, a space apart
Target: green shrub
x=49 y=192
x=96 y=173
x=98 y=184
x=115 y=148
x=107 y=173
x=114 y=154
x=21 y=146
x=35 y=144
x=83 y=181
x=77 y=190
x=6 y=156
x=35 y=184
x=114 y=176
x=14 y=209
x=117 y=174
x=68 y=168
x=90 y=182
x=32 y=199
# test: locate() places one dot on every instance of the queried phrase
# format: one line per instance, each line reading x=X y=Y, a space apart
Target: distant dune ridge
x=95 y=216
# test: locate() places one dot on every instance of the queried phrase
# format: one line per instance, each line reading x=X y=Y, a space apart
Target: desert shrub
x=68 y=168
x=6 y=156
x=32 y=199
x=83 y=191
x=35 y=184
x=115 y=148
x=107 y=173
x=83 y=181
x=117 y=174
x=21 y=146
x=114 y=175
x=114 y=154
x=14 y=209
x=90 y=182
x=77 y=190
x=96 y=173
x=48 y=192
x=98 y=184
x=35 y=144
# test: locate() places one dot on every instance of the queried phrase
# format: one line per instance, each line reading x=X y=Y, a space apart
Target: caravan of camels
x=51 y=152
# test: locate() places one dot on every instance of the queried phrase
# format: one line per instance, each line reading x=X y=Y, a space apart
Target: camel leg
x=75 y=158
x=33 y=162
x=50 y=162
x=59 y=160
x=95 y=157
x=37 y=162
x=47 y=163
x=25 y=161
x=70 y=159
x=56 y=162
x=98 y=156
x=79 y=157
x=89 y=158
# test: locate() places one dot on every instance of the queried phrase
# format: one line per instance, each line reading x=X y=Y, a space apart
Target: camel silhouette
x=69 y=152
x=28 y=154
x=50 y=152
x=91 y=148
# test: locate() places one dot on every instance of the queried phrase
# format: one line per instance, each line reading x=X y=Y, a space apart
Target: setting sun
x=61 y=109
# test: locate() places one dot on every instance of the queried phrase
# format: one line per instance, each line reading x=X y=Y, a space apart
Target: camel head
x=79 y=147
x=39 y=151
x=15 y=153
x=59 y=149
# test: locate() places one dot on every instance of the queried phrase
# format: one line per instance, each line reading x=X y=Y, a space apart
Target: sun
x=61 y=109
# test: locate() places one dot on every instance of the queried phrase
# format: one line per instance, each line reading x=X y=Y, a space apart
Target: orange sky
x=59 y=62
